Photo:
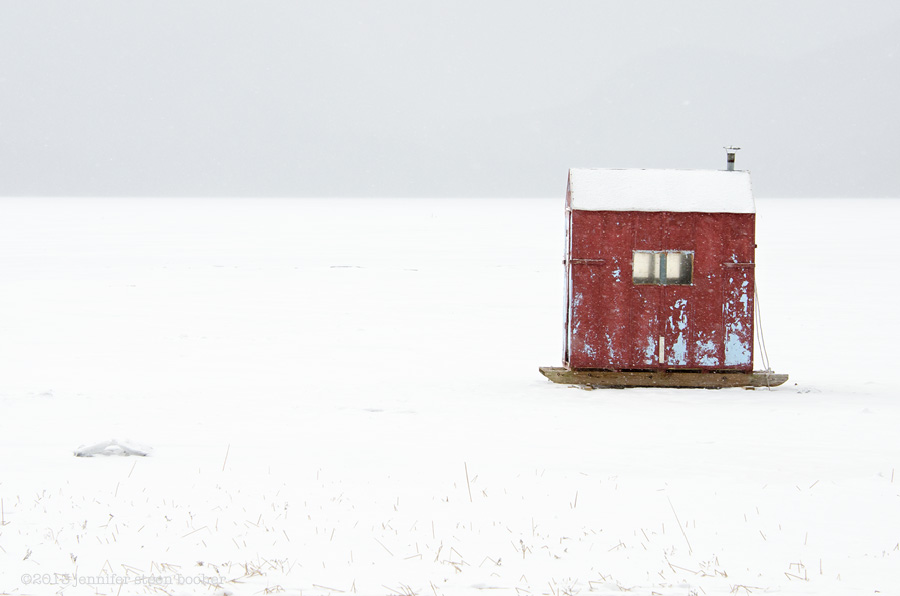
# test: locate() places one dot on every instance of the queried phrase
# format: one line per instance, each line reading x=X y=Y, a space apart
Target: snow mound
x=112 y=447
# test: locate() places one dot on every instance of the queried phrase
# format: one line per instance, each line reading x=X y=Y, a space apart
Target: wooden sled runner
x=682 y=379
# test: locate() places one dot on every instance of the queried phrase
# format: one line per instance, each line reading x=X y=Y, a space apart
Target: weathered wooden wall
x=614 y=324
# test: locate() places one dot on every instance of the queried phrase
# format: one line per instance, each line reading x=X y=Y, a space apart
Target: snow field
x=342 y=396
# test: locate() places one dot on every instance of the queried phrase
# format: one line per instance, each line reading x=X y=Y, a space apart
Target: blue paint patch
x=681 y=324
x=736 y=351
x=650 y=350
x=613 y=356
x=679 y=351
x=706 y=352
x=678 y=323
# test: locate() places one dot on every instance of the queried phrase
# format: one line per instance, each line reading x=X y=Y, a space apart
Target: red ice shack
x=659 y=270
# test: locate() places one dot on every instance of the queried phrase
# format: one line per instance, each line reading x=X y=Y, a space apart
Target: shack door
x=662 y=281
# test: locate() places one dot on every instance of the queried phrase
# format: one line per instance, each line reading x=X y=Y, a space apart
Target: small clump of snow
x=112 y=447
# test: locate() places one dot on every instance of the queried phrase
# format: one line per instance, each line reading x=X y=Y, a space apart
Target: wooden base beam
x=687 y=380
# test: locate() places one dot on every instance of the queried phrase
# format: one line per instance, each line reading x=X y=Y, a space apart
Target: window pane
x=645 y=267
x=679 y=268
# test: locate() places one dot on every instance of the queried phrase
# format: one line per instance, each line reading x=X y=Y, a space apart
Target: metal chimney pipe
x=730 y=152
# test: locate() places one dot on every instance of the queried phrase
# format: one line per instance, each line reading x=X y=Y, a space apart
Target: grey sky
x=418 y=98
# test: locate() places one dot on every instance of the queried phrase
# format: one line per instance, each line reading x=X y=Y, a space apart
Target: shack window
x=662 y=268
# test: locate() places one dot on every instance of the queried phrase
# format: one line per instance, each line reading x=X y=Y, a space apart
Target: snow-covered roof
x=701 y=191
